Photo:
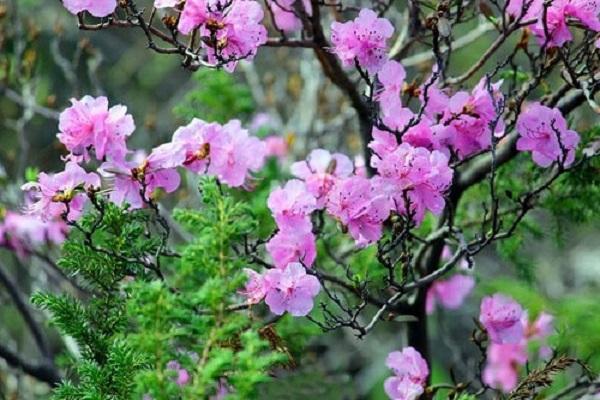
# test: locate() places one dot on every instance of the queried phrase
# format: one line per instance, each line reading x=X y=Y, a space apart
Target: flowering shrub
x=205 y=300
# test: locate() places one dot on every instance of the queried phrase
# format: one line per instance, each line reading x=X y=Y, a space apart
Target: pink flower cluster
x=459 y=124
x=467 y=118
x=23 y=233
x=291 y=206
x=90 y=125
x=135 y=181
x=62 y=194
x=360 y=206
x=320 y=171
x=226 y=152
x=230 y=30
x=327 y=183
x=554 y=31
x=414 y=178
x=544 y=132
x=98 y=8
x=354 y=200
x=509 y=331
x=410 y=374
x=289 y=289
x=411 y=180
x=362 y=40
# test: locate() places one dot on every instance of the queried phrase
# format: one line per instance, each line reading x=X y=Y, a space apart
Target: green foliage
x=217 y=98
x=510 y=250
x=575 y=197
x=515 y=75
x=102 y=250
x=135 y=321
x=31 y=174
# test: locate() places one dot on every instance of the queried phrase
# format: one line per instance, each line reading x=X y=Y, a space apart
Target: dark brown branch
x=45 y=372
x=334 y=71
x=24 y=310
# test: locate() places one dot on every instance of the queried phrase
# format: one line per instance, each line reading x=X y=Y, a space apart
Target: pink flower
x=398 y=118
x=292 y=245
x=383 y=143
x=425 y=134
x=556 y=23
x=411 y=372
x=33 y=231
x=291 y=206
x=22 y=233
x=586 y=11
x=285 y=15
x=197 y=139
x=408 y=363
x=276 y=146
x=196 y=13
x=132 y=178
x=256 y=287
x=391 y=76
x=291 y=290
x=239 y=34
x=501 y=370
x=557 y=16
x=525 y=9
x=539 y=330
x=363 y=39
x=89 y=123
x=450 y=293
x=235 y=155
x=321 y=171
x=402 y=388
x=437 y=98
x=415 y=179
x=544 y=132
x=356 y=203
x=468 y=116
x=183 y=377
x=98 y=8
x=225 y=152
x=61 y=193
x=231 y=30
x=501 y=317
